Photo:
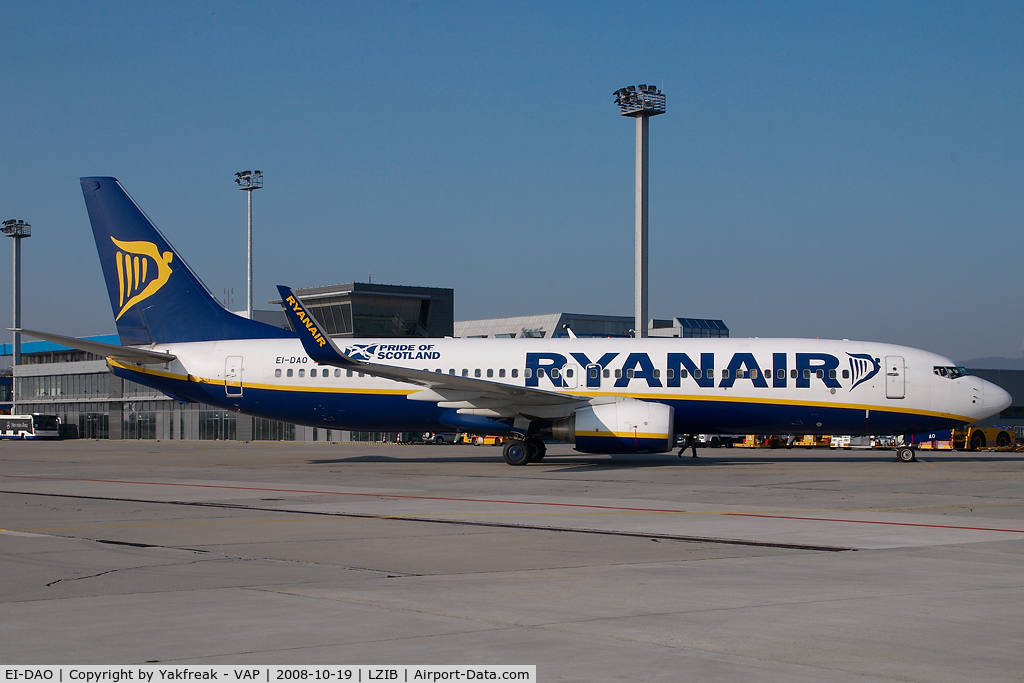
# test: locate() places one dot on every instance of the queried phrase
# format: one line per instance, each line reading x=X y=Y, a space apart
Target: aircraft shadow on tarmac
x=705 y=459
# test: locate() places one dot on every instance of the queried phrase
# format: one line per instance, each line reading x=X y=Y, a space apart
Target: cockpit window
x=950 y=371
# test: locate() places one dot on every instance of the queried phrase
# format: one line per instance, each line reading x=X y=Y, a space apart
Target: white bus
x=36 y=426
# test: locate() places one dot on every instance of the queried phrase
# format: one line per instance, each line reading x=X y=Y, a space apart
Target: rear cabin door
x=895 y=384
x=233 y=376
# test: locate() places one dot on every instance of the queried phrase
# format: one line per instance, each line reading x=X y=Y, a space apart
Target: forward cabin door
x=895 y=383
x=233 y=376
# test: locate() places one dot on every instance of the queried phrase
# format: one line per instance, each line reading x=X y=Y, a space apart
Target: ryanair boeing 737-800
x=603 y=395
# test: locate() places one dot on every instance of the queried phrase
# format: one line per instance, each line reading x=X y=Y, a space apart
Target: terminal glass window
x=390 y=316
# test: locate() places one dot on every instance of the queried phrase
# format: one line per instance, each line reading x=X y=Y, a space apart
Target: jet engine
x=623 y=427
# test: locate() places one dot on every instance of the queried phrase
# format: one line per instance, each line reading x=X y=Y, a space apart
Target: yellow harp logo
x=141 y=271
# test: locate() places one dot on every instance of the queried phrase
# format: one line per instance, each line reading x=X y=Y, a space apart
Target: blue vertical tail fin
x=155 y=296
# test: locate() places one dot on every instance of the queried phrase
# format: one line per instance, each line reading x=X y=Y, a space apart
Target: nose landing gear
x=905 y=454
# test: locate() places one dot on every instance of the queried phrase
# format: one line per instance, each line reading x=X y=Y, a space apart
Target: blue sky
x=824 y=169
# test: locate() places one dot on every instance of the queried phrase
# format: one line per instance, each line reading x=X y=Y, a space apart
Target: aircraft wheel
x=517 y=452
x=539 y=449
x=906 y=454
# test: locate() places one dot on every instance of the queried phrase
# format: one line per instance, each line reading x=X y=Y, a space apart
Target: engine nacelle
x=624 y=427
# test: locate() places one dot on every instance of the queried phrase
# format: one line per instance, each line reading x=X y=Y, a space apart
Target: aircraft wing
x=128 y=353
x=437 y=387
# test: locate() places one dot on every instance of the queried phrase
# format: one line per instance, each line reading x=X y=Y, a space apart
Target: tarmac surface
x=742 y=565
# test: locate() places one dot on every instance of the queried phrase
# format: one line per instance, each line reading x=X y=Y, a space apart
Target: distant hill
x=995 y=363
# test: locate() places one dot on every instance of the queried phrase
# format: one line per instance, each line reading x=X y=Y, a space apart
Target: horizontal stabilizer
x=100 y=349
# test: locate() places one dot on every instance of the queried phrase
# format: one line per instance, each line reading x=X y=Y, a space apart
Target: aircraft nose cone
x=995 y=399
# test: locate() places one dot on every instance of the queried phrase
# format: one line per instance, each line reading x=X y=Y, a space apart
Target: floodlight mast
x=641 y=102
x=19 y=230
x=249 y=181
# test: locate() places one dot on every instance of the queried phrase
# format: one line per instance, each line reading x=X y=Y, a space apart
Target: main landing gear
x=906 y=454
x=523 y=451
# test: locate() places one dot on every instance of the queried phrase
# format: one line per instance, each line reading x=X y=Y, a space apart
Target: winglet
x=314 y=339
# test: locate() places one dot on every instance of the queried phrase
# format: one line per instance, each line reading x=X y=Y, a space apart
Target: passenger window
x=528 y=373
x=629 y=373
x=593 y=373
x=711 y=373
x=698 y=373
x=501 y=372
x=568 y=372
x=540 y=372
x=451 y=371
x=846 y=374
x=831 y=374
x=302 y=372
x=439 y=371
x=725 y=374
x=657 y=373
x=606 y=373
x=289 y=373
x=753 y=373
x=337 y=373
x=312 y=372
x=554 y=373
x=360 y=374
x=277 y=373
x=490 y=372
x=820 y=373
x=792 y=373
x=618 y=373
x=465 y=372
x=348 y=373
x=807 y=374
x=670 y=373
x=515 y=372
x=476 y=373
x=326 y=373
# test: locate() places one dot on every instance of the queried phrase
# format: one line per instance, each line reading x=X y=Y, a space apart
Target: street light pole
x=19 y=230
x=641 y=102
x=249 y=181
